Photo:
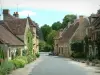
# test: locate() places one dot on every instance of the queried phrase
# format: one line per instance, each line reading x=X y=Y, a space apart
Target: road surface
x=54 y=65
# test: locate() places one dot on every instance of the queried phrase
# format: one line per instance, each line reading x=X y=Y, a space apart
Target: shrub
x=78 y=55
x=19 y=63
x=29 y=58
x=6 y=67
x=23 y=58
x=37 y=55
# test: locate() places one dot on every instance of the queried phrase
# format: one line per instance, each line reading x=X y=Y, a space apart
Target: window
x=28 y=39
x=9 y=52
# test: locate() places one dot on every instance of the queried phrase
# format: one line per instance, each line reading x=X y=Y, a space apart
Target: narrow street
x=53 y=65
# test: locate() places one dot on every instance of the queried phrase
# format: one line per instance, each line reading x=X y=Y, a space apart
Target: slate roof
x=8 y=38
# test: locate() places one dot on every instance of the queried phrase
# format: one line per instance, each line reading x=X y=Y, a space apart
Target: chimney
x=69 y=23
x=16 y=14
x=5 y=14
x=81 y=19
x=60 y=32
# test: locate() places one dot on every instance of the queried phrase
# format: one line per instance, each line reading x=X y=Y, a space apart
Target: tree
x=50 y=38
x=98 y=12
x=42 y=45
x=68 y=18
x=56 y=25
x=46 y=29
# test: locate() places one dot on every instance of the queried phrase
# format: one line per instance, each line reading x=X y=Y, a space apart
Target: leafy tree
x=50 y=38
x=98 y=12
x=46 y=29
x=56 y=25
x=78 y=49
x=42 y=45
x=68 y=18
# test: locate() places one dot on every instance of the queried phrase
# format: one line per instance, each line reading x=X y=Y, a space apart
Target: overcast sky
x=49 y=11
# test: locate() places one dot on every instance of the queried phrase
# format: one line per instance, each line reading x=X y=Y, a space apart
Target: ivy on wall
x=1 y=53
x=29 y=39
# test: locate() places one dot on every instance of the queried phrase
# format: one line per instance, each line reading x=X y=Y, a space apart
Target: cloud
x=85 y=7
x=25 y=13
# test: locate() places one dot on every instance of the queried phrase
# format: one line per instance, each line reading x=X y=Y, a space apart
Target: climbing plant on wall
x=29 y=42
x=1 y=53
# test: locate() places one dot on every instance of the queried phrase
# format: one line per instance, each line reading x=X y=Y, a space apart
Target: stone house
x=75 y=31
x=19 y=27
x=9 y=43
x=62 y=45
x=15 y=32
x=94 y=35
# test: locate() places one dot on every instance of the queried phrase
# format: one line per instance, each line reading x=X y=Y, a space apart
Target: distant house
x=75 y=31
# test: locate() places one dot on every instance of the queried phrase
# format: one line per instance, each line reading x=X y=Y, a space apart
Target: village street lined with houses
x=49 y=41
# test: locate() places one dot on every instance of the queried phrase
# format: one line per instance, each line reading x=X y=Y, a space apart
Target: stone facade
x=16 y=30
x=75 y=31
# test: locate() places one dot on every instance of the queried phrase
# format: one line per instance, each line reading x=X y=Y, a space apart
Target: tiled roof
x=66 y=35
x=8 y=37
x=17 y=26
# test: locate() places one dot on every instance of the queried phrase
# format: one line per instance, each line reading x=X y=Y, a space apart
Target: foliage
x=37 y=55
x=1 y=53
x=29 y=58
x=98 y=12
x=24 y=52
x=77 y=46
x=78 y=55
x=30 y=42
x=86 y=43
x=6 y=67
x=20 y=61
x=46 y=29
x=18 y=52
x=68 y=18
x=98 y=45
x=42 y=45
x=48 y=48
x=50 y=38
x=56 y=25
x=23 y=58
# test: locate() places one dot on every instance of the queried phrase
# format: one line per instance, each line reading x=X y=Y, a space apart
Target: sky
x=50 y=11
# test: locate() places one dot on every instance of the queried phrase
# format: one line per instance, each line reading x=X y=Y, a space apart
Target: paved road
x=53 y=65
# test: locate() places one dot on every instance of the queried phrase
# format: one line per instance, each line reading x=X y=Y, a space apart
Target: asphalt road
x=53 y=65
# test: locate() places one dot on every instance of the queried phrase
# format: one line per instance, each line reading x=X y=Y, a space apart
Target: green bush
x=78 y=55
x=23 y=58
x=19 y=63
x=29 y=58
x=37 y=55
x=6 y=67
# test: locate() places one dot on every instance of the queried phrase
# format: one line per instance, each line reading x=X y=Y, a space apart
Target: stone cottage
x=14 y=35
x=19 y=27
x=9 y=43
x=75 y=31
